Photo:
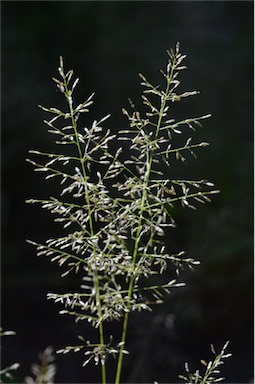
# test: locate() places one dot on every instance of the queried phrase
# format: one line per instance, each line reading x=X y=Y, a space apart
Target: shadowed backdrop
x=108 y=43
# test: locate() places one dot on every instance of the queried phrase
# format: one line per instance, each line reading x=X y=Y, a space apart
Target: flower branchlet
x=45 y=371
x=212 y=371
x=6 y=373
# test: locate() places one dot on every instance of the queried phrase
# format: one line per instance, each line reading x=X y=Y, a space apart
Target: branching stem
x=96 y=280
x=139 y=229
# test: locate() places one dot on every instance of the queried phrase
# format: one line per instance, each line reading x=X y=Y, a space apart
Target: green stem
x=135 y=252
x=130 y=291
x=96 y=280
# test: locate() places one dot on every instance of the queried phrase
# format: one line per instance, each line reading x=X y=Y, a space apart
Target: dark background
x=107 y=44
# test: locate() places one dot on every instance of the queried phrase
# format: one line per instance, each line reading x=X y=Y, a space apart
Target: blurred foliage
x=107 y=44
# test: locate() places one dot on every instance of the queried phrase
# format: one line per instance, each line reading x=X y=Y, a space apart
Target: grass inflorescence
x=114 y=209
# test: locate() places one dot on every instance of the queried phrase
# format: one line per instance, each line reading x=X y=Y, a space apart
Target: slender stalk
x=130 y=291
x=135 y=252
x=96 y=280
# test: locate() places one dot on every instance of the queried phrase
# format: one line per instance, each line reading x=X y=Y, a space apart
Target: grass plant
x=116 y=205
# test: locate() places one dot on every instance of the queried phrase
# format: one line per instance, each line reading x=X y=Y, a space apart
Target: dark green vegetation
x=108 y=43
